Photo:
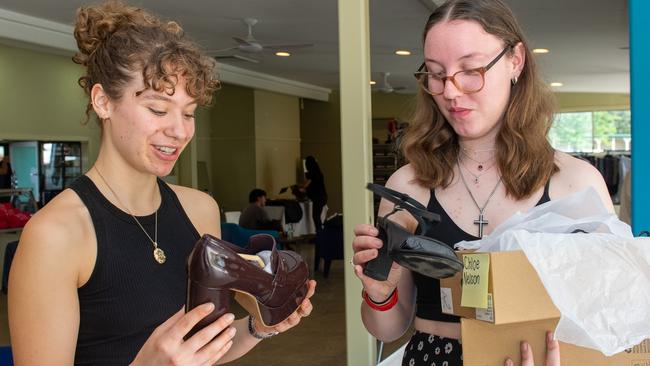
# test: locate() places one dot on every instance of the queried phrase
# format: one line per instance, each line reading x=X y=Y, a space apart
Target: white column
x=356 y=152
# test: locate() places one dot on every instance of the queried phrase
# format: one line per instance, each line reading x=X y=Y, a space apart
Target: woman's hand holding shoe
x=365 y=245
x=302 y=312
x=166 y=346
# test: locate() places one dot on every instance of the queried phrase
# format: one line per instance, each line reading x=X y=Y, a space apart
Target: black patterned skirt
x=430 y=350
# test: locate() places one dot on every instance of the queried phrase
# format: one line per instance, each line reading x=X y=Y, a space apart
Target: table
x=303 y=227
x=305 y=245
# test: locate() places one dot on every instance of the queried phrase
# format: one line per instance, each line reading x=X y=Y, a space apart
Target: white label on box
x=446 y=300
x=486 y=314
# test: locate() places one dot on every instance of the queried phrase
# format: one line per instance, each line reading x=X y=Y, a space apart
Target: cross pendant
x=480 y=222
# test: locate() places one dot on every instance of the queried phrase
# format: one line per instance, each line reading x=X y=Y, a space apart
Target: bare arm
x=43 y=302
x=391 y=324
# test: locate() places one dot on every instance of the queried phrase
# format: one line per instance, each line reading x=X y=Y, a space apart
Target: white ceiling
x=585 y=36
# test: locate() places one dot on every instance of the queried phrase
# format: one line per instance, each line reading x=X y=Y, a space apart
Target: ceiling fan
x=250 y=45
x=386 y=87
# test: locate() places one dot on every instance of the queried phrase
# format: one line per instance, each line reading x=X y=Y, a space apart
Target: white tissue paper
x=599 y=281
x=265 y=255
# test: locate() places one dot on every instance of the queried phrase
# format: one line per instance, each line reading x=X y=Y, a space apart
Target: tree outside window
x=595 y=131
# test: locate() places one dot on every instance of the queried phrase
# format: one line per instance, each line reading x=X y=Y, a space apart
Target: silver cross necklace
x=481 y=221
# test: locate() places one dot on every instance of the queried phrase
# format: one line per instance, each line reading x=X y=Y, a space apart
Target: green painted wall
x=229 y=141
x=41 y=100
x=277 y=141
x=575 y=102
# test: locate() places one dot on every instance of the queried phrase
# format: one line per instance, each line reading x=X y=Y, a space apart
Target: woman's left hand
x=303 y=311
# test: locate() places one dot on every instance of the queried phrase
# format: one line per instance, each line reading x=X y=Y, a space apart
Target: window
x=595 y=131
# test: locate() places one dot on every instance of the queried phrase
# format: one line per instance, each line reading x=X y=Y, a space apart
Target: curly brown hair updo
x=524 y=156
x=116 y=40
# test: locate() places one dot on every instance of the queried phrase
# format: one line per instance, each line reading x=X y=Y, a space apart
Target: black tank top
x=428 y=289
x=129 y=294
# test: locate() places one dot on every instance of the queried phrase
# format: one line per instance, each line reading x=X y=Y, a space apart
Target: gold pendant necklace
x=158 y=254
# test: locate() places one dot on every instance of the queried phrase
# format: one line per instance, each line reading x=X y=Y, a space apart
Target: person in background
x=314 y=187
x=99 y=277
x=6 y=175
x=477 y=152
x=254 y=216
x=5 y=172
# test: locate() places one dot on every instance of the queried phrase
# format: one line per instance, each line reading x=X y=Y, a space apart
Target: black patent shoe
x=418 y=253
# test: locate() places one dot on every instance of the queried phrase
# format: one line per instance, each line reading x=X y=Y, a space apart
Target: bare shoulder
x=576 y=175
x=403 y=180
x=59 y=227
x=201 y=208
x=55 y=244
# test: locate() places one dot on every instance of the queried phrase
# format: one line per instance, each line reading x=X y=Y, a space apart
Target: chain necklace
x=480 y=163
x=481 y=221
x=158 y=254
x=477 y=176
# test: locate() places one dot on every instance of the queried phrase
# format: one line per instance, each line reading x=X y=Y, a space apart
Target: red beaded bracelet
x=386 y=305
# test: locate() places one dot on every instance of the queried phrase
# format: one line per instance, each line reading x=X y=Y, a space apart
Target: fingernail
x=549 y=337
x=230 y=317
x=524 y=347
x=232 y=331
x=509 y=362
x=209 y=307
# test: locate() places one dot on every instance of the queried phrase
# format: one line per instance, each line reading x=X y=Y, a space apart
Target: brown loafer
x=216 y=269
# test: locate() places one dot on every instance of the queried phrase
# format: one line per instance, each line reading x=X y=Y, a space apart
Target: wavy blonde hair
x=524 y=155
x=115 y=40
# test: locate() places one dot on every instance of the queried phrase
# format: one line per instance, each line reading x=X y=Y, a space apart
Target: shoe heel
x=378 y=268
x=198 y=294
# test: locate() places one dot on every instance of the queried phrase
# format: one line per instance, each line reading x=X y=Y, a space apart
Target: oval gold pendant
x=159 y=255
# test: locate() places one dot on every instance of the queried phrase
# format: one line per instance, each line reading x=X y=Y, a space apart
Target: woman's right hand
x=365 y=245
x=166 y=346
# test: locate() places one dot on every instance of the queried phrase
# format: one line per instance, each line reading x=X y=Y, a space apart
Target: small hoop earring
x=514 y=81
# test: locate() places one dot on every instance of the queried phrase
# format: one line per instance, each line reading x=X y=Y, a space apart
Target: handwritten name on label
x=475 y=280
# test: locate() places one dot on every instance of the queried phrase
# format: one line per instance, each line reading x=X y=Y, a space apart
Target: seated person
x=254 y=217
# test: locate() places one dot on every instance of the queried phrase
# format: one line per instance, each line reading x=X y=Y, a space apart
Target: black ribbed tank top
x=128 y=293
x=428 y=289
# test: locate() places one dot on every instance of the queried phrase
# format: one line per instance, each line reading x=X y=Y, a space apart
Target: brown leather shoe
x=216 y=270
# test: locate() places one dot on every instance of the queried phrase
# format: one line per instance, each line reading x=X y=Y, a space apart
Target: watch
x=254 y=333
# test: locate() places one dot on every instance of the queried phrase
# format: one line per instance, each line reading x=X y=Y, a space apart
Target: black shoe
x=427 y=256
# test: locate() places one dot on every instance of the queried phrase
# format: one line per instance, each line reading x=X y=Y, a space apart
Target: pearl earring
x=514 y=80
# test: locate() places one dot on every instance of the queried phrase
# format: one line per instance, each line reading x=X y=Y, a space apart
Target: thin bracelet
x=383 y=306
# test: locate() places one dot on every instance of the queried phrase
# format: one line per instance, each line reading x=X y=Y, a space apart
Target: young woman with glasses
x=477 y=152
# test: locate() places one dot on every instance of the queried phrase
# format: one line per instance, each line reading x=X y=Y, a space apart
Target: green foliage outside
x=591 y=131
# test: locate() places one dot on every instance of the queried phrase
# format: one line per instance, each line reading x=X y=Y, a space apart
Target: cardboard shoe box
x=499 y=287
x=486 y=344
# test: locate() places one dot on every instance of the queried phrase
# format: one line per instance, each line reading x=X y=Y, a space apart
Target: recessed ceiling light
x=282 y=54
x=541 y=50
x=556 y=84
x=403 y=53
x=372 y=82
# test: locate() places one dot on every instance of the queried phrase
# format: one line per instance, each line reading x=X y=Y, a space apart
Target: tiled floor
x=319 y=340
